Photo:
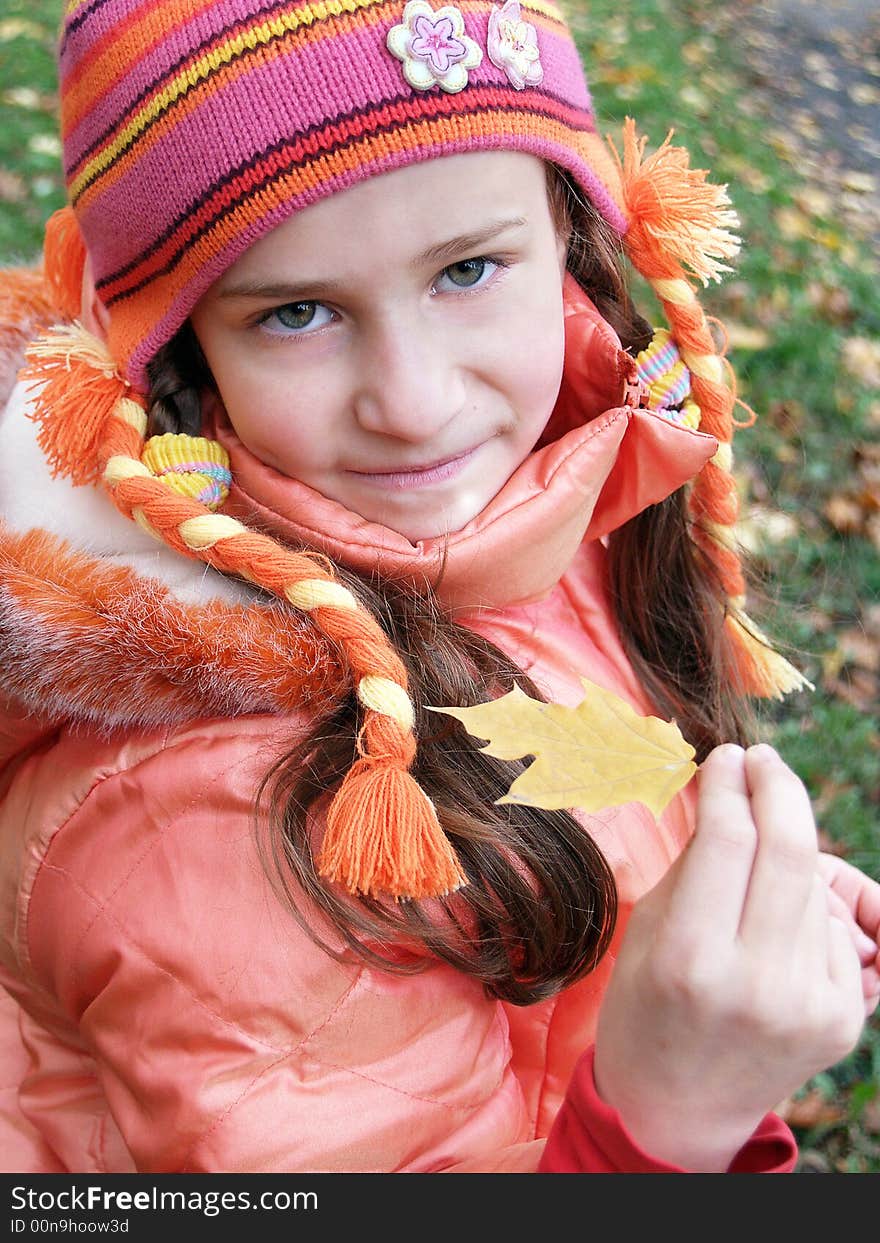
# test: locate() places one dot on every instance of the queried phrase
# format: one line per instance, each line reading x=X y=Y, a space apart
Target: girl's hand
x=735 y=983
x=855 y=899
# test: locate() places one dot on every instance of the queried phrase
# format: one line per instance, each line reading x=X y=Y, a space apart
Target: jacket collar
x=600 y=461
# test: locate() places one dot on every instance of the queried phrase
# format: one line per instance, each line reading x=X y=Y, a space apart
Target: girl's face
x=398 y=347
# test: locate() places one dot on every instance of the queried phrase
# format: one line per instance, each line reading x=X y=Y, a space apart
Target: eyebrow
x=438 y=254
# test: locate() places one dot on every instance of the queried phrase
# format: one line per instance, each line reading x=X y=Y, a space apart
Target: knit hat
x=193 y=127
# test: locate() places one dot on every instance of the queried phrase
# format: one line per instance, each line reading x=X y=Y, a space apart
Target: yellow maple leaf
x=599 y=754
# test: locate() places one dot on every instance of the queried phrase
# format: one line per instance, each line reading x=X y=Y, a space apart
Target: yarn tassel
x=383 y=836
x=759 y=668
x=79 y=390
x=64 y=258
x=673 y=210
x=680 y=227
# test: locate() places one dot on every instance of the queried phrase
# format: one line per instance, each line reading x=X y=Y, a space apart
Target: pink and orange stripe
x=302 y=100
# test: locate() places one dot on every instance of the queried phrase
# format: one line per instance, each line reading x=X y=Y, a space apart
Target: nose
x=411 y=384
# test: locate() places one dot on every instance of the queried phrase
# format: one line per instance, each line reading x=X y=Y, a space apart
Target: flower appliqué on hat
x=433 y=48
x=513 y=46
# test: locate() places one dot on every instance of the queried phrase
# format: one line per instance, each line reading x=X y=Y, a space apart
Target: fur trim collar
x=88 y=642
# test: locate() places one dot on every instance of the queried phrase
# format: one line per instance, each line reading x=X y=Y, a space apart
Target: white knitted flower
x=513 y=46
x=433 y=47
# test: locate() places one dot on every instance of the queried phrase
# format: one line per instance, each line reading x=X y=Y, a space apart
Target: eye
x=295 y=319
x=470 y=273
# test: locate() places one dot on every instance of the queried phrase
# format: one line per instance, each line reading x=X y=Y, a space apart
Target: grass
x=803 y=291
x=803 y=310
x=31 y=185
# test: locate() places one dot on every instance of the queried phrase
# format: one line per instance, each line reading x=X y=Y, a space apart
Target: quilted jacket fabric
x=161 y=1010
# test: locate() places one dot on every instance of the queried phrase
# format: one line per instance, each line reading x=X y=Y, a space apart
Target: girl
x=341 y=412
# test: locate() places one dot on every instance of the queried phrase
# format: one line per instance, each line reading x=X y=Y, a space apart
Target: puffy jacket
x=162 y=1010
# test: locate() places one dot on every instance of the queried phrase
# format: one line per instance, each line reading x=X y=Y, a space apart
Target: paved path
x=817 y=68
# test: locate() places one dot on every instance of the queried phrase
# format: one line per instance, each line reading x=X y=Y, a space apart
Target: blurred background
x=781 y=100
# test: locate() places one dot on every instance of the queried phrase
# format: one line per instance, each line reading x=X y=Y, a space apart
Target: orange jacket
x=162 y=1013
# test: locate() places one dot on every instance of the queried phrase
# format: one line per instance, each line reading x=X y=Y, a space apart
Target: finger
x=871 y=988
x=785 y=860
x=844 y=971
x=708 y=896
x=860 y=892
x=865 y=947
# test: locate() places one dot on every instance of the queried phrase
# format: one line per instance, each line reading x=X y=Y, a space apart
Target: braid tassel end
x=79 y=392
x=674 y=212
x=759 y=668
x=383 y=837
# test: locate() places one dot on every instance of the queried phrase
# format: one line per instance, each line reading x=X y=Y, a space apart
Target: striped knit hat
x=193 y=127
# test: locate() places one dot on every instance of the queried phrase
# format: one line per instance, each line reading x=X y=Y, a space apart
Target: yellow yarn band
x=133 y=414
x=201 y=533
x=677 y=291
x=315 y=593
x=722 y=535
x=387 y=697
x=119 y=468
x=691 y=415
x=723 y=456
x=192 y=466
x=706 y=366
x=141 y=519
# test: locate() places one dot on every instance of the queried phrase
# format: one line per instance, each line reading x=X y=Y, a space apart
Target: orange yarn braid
x=680 y=222
x=64 y=261
x=382 y=834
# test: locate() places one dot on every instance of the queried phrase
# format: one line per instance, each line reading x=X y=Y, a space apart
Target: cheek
x=264 y=406
x=533 y=369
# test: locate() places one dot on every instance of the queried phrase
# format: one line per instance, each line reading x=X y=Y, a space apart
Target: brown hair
x=539 y=908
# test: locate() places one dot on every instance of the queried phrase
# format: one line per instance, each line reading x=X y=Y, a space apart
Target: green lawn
x=804 y=319
x=803 y=314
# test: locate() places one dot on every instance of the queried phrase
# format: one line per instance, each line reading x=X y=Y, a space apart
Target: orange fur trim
x=86 y=641
x=25 y=310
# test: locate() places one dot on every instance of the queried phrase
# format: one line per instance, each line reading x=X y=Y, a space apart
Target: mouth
x=418 y=476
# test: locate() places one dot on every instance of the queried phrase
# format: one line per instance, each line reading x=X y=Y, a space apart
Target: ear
x=213 y=412
x=562 y=254
x=94 y=315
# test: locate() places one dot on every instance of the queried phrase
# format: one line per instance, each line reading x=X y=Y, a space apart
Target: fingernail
x=762 y=750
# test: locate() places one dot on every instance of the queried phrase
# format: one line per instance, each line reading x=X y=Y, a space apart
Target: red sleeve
x=588 y=1137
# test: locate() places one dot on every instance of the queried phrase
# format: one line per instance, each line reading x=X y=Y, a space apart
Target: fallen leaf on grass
x=12 y=188
x=861 y=358
x=857 y=687
x=845 y=514
x=18 y=28
x=793 y=224
x=761 y=526
x=871 y=1116
x=859 y=182
x=856 y=509
x=745 y=337
x=859 y=648
x=812 y=1110
x=814 y=201
x=833 y=302
x=864 y=94
x=599 y=754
